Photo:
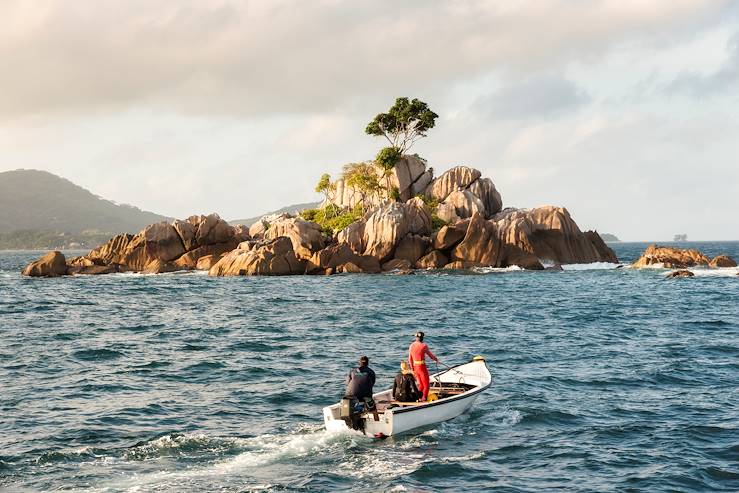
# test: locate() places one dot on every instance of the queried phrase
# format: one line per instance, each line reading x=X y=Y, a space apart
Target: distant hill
x=290 y=209
x=609 y=237
x=41 y=210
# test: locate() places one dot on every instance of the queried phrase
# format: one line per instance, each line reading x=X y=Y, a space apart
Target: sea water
x=604 y=379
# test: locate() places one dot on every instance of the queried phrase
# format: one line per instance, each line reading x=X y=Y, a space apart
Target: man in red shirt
x=417 y=358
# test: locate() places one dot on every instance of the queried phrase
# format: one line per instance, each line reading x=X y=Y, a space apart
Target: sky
x=624 y=111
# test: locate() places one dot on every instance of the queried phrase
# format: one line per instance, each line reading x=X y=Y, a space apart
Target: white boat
x=456 y=389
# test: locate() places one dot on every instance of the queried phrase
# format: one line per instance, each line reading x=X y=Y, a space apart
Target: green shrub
x=332 y=218
x=309 y=214
x=387 y=157
x=430 y=202
x=394 y=194
x=437 y=222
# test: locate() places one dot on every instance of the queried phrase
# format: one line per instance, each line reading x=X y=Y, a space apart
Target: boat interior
x=441 y=390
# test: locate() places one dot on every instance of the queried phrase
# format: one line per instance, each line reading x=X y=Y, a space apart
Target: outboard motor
x=350 y=411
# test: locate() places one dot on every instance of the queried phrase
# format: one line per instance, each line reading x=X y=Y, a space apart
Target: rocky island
x=390 y=213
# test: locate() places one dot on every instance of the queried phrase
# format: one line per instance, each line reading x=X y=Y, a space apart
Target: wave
x=178 y=444
x=246 y=455
x=720 y=272
x=592 y=266
x=489 y=270
x=96 y=354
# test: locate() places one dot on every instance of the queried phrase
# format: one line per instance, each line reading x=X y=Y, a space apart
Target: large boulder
x=406 y=172
x=190 y=259
x=158 y=266
x=112 y=251
x=211 y=229
x=241 y=232
x=457 y=178
x=187 y=232
x=465 y=204
x=722 y=261
x=335 y=256
x=197 y=231
x=384 y=228
x=421 y=184
x=397 y=264
x=513 y=255
x=549 y=233
x=158 y=241
x=353 y=235
x=419 y=217
x=267 y=258
x=53 y=264
x=258 y=229
x=207 y=262
x=412 y=248
x=484 y=189
x=447 y=213
x=605 y=252
x=480 y=245
x=433 y=260
x=670 y=258
x=447 y=237
x=305 y=235
x=92 y=270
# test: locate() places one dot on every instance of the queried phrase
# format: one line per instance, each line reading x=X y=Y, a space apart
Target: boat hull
x=396 y=420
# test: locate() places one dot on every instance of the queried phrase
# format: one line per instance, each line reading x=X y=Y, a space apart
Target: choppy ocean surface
x=604 y=380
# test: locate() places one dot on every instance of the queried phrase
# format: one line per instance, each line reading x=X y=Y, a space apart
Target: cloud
x=723 y=80
x=539 y=96
x=252 y=58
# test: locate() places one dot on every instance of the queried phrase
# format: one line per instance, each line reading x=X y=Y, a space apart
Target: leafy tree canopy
x=324 y=184
x=405 y=123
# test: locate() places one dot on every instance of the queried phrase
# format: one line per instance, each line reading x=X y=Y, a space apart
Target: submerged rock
x=53 y=264
x=670 y=257
x=680 y=273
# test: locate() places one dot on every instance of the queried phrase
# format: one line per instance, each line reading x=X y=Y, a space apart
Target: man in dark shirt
x=360 y=381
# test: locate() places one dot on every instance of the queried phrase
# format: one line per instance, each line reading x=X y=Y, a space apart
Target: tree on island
x=405 y=123
x=363 y=179
x=325 y=187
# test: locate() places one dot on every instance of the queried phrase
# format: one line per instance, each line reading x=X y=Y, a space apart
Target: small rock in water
x=680 y=273
x=722 y=261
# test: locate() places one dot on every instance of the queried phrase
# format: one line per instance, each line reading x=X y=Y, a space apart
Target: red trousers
x=422 y=378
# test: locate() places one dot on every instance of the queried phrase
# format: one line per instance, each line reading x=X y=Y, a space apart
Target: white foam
x=507 y=416
x=489 y=270
x=716 y=272
x=463 y=458
x=259 y=451
x=591 y=266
